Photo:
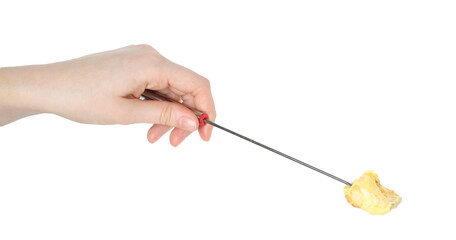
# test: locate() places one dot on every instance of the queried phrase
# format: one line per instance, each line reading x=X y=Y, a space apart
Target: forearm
x=14 y=102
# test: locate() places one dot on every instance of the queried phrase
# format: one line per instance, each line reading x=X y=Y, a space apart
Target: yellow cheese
x=367 y=193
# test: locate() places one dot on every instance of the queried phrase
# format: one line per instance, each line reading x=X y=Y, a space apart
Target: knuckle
x=206 y=82
x=157 y=58
x=144 y=46
x=145 y=55
x=166 y=115
x=144 y=50
x=203 y=83
x=149 y=54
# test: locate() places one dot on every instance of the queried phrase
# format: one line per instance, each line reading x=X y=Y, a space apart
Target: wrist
x=14 y=104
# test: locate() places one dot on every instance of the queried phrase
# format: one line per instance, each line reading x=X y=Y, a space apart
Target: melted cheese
x=367 y=193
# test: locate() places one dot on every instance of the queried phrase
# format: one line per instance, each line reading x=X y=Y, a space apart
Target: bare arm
x=104 y=88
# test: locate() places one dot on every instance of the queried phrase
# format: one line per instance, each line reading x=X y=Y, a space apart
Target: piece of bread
x=368 y=194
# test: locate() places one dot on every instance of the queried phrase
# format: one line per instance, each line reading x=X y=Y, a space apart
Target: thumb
x=159 y=112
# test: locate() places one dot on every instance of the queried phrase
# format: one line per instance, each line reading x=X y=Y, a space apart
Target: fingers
x=156 y=112
x=205 y=132
x=164 y=116
x=177 y=136
x=195 y=91
x=177 y=82
x=156 y=132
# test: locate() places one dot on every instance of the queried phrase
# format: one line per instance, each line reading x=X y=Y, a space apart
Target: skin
x=104 y=88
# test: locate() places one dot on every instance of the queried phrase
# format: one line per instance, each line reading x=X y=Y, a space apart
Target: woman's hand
x=104 y=88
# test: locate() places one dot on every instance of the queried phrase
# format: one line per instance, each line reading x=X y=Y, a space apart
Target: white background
x=347 y=86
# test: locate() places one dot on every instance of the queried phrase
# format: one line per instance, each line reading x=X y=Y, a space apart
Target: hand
x=104 y=88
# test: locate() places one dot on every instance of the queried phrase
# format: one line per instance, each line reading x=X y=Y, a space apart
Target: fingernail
x=187 y=124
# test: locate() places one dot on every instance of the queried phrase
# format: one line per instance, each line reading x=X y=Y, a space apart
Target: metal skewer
x=153 y=95
x=278 y=152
